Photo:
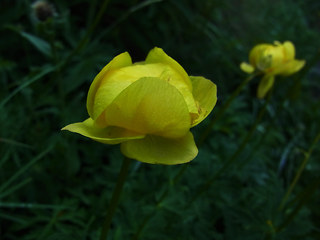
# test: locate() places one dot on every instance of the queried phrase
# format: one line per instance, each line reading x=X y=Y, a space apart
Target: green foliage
x=56 y=185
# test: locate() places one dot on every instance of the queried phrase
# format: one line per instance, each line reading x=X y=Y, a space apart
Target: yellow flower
x=148 y=107
x=272 y=59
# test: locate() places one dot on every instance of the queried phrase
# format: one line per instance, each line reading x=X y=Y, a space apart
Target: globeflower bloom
x=148 y=107
x=272 y=59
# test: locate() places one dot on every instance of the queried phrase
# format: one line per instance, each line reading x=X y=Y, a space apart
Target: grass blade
x=24 y=168
x=27 y=82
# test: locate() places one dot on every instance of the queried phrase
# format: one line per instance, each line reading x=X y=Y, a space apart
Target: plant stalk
x=299 y=172
x=237 y=153
x=221 y=111
x=115 y=198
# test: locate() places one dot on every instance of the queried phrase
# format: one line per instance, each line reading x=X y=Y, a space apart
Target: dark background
x=57 y=185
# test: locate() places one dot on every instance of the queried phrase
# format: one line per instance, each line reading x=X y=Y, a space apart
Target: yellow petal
x=159 y=150
x=246 y=67
x=205 y=93
x=174 y=79
x=265 y=85
x=256 y=53
x=120 y=79
x=119 y=61
x=157 y=55
x=289 y=50
x=292 y=67
x=112 y=85
x=150 y=106
x=266 y=57
x=109 y=135
x=273 y=57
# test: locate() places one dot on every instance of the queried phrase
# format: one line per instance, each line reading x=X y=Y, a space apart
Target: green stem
x=144 y=223
x=200 y=142
x=236 y=154
x=115 y=198
x=299 y=172
x=221 y=111
x=163 y=196
x=307 y=194
x=254 y=149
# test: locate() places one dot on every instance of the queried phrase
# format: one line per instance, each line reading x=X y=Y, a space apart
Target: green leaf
x=37 y=42
x=27 y=82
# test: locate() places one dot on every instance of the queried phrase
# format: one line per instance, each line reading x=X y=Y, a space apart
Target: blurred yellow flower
x=272 y=59
x=148 y=107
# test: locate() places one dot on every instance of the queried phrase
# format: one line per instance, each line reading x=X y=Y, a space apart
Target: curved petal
x=150 y=106
x=159 y=150
x=157 y=55
x=118 y=80
x=265 y=85
x=273 y=57
x=108 y=135
x=292 y=67
x=119 y=61
x=289 y=50
x=205 y=93
x=246 y=67
x=256 y=53
x=171 y=76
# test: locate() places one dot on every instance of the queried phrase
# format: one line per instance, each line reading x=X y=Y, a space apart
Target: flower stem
x=236 y=154
x=221 y=111
x=199 y=144
x=307 y=194
x=115 y=198
x=299 y=172
x=162 y=197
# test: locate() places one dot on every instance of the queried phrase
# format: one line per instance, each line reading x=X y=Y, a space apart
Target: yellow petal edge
x=246 y=67
x=152 y=116
x=109 y=135
x=122 y=60
x=159 y=150
x=205 y=94
x=157 y=55
x=150 y=106
x=265 y=85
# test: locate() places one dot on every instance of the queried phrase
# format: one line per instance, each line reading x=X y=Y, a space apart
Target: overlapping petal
x=272 y=57
x=122 y=60
x=205 y=93
x=117 y=81
x=159 y=150
x=159 y=65
x=150 y=106
x=271 y=60
x=174 y=74
x=255 y=53
x=290 y=67
x=108 y=135
x=157 y=55
x=289 y=50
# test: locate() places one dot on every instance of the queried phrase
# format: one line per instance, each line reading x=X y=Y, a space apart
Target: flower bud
x=272 y=59
x=43 y=10
x=148 y=107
